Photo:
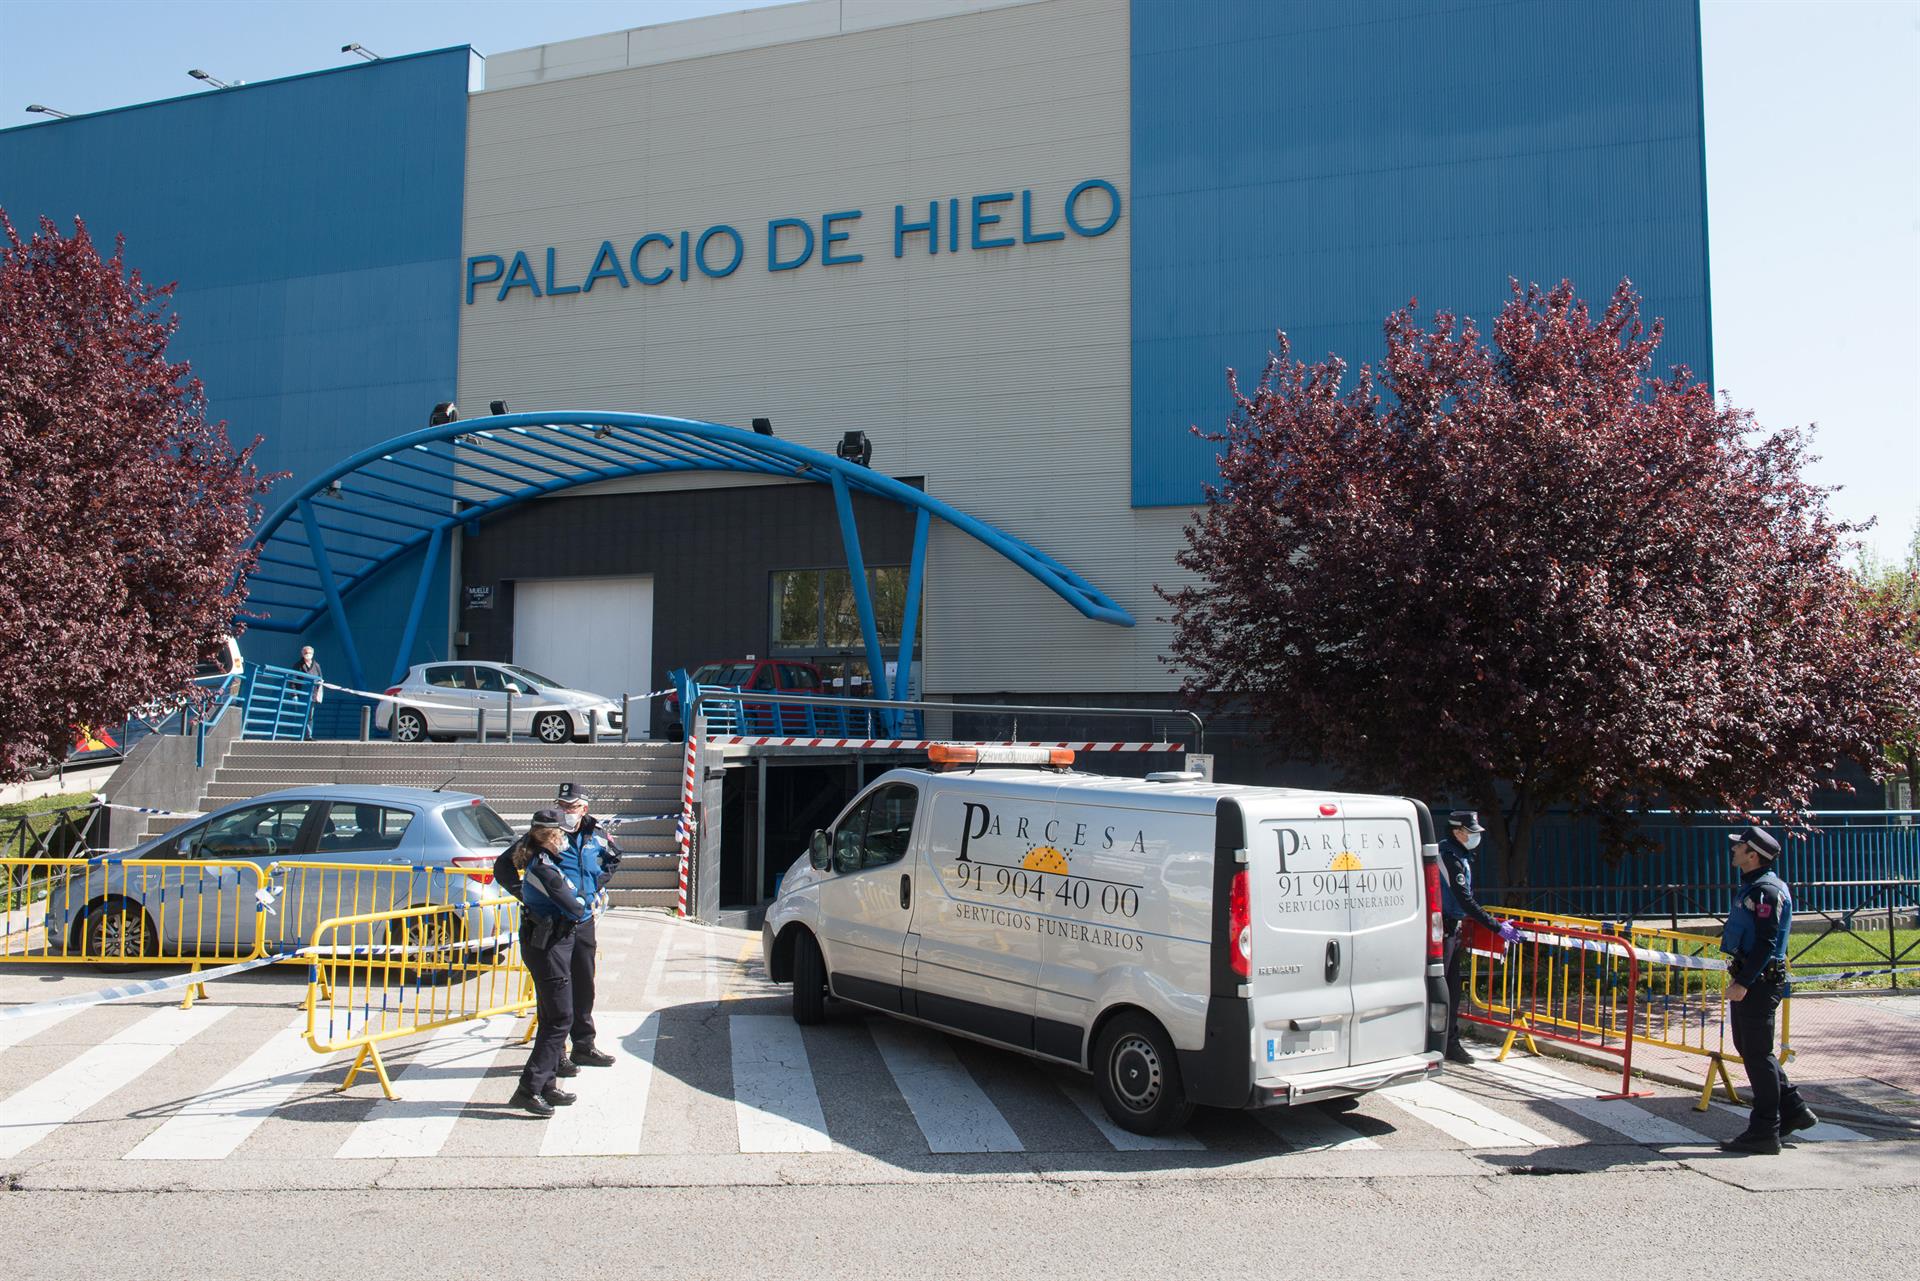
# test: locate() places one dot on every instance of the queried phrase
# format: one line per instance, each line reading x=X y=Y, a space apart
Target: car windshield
x=536 y=677
x=732 y=674
x=477 y=827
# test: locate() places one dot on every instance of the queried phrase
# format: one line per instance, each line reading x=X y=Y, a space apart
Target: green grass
x=1865 y=948
x=41 y=814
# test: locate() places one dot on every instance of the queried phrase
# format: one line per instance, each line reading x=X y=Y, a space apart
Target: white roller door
x=589 y=633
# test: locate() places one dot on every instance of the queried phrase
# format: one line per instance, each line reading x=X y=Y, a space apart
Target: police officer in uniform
x=589 y=861
x=1755 y=941
x=551 y=910
x=1457 y=904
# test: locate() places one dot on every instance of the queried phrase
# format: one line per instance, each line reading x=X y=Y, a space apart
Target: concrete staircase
x=516 y=779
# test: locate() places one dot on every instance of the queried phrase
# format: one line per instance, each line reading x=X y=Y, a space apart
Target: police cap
x=1469 y=819
x=571 y=793
x=1758 y=837
x=548 y=817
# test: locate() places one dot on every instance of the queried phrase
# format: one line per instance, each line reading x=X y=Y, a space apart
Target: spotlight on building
x=497 y=408
x=855 y=448
x=215 y=81
x=443 y=413
x=333 y=488
x=362 y=50
x=602 y=432
x=764 y=426
x=34 y=108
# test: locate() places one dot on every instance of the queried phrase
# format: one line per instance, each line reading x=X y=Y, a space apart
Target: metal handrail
x=923 y=706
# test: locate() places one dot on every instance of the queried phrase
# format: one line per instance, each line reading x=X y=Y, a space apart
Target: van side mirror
x=818 y=852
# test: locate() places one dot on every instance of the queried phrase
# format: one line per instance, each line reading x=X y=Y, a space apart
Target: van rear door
x=1301 y=927
x=1386 y=968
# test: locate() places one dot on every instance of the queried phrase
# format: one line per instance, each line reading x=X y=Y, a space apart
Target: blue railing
x=732 y=710
x=1847 y=848
x=278 y=703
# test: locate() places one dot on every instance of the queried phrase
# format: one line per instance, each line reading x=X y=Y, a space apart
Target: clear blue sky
x=1813 y=171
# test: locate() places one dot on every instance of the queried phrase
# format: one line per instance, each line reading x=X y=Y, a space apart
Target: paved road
x=730 y=1140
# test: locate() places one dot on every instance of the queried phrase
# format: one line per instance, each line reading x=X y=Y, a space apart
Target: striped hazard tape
x=126 y=991
x=921 y=744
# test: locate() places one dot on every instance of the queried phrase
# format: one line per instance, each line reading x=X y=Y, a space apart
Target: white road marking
x=1127 y=1140
x=954 y=1114
x=433 y=1090
x=1309 y=1129
x=612 y=1106
x=1824 y=1132
x=657 y=972
x=774 y=1099
x=39 y=1109
x=214 y=1124
x=1535 y=1079
x=1462 y=1117
x=14 y=1031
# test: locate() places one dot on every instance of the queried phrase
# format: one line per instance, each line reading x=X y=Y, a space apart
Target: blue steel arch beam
x=394 y=493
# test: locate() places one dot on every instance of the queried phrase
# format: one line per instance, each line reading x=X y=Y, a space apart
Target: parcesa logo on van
x=1351 y=864
x=1026 y=860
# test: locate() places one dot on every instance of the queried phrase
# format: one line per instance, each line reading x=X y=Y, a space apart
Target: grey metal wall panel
x=1001 y=375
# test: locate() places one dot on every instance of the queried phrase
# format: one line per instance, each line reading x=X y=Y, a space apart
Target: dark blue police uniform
x=1755 y=941
x=1458 y=904
x=589 y=860
x=551 y=910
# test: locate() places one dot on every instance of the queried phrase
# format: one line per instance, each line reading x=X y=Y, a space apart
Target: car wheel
x=552 y=727
x=430 y=944
x=1138 y=1077
x=809 y=981
x=409 y=726
x=115 y=929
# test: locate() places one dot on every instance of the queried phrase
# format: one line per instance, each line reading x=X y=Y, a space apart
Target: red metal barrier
x=1577 y=987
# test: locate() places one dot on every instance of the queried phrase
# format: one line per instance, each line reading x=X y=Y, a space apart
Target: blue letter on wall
x=553 y=289
x=982 y=219
x=902 y=228
x=606 y=266
x=521 y=273
x=1028 y=236
x=733 y=263
x=829 y=238
x=1113 y=214
x=499 y=270
x=633 y=259
x=774 y=228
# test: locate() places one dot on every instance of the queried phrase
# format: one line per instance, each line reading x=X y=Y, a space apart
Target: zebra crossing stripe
x=212 y=1125
x=775 y=1103
x=435 y=1088
x=612 y=1107
x=14 y=1031
x=39 y=1109
x=1824 y=1132
x=1461 y=1117
x=1308 y=1129
x=1127 y=1140
x=952 y=1111
x=1622 y=1116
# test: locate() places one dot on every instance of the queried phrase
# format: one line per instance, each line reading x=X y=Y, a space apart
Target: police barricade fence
x=1557 y=982
x=1670 y=996
x=377 y=977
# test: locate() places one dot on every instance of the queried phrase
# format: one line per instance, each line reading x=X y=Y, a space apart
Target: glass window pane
x=842 y=614
x=356 y=826
x=889 y=825
x=796 y=608
x=489 y=680
x=889 y=601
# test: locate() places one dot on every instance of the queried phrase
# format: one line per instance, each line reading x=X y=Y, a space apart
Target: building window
x=814 y=610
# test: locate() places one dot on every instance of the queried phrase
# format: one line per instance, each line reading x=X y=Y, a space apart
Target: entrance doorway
x=589 y=633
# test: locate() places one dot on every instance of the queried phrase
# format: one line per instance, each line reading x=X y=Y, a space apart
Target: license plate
x=1295 y=1045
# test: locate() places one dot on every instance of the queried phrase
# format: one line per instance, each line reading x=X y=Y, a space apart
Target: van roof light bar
x=951 y=754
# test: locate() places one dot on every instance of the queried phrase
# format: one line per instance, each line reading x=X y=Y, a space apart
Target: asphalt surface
x=135 y=1137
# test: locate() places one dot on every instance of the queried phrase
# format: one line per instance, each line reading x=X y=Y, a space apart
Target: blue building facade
x=313 y=227
x=1310 y=167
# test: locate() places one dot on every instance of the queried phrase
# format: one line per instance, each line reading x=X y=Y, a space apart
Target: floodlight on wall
x=34 y=108
x=498 y=408
x=764 y=426
x=215 y=81
x=602 y=432
x=443 y=413
x=362 y=50
x=333 y=488
x=855 y=448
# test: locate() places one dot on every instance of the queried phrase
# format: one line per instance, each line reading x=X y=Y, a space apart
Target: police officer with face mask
x=1457 y=905
x=589 y=860
x=1755 y=941
x=550 y=912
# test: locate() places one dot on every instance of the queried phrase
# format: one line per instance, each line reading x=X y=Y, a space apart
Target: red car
x=779 y=675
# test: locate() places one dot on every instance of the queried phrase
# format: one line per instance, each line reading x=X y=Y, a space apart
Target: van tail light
x=479 y=866
x=1240 y=925
x=1436 y=936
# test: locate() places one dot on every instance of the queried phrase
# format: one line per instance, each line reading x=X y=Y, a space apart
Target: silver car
x=442 y=700
x=296 y=858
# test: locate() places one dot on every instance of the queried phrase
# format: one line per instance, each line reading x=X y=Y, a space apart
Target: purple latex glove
x=1509 y=932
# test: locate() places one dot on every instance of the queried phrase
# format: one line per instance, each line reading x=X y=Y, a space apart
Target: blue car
x=297 y=857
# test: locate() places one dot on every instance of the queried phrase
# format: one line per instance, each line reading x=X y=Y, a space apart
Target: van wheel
x=1138 y=1077
x=809 y=981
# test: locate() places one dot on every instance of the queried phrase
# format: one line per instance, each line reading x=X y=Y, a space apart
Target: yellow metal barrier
x=132 y=911
x=309 y=892
x=1681 y=1001
x=379 y=976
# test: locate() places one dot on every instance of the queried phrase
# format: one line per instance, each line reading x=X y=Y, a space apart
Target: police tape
x=126 y=991
x=627 y=820
x=410 y=701
x=1800 y=978
x=100 y=802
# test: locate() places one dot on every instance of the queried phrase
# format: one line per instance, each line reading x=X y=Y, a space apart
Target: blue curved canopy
x=346 y=525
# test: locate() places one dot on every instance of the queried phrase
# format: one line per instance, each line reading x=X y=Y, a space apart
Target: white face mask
x=570 y=822
x=1471 y=840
